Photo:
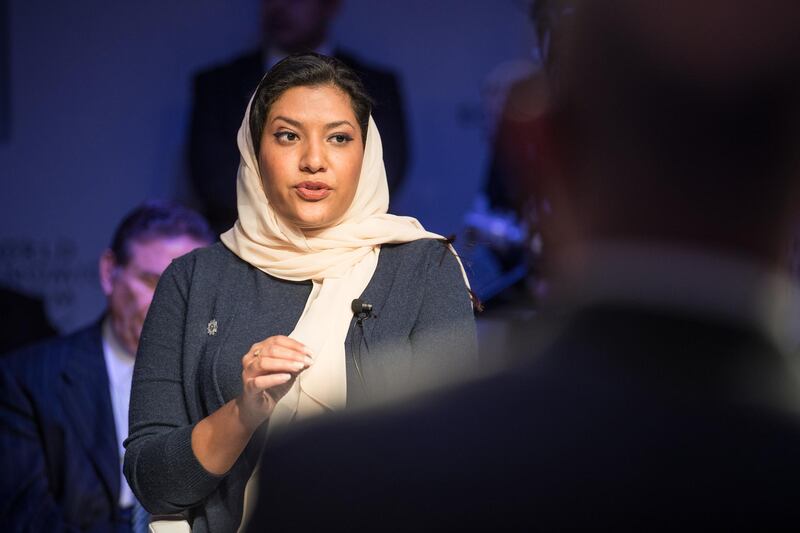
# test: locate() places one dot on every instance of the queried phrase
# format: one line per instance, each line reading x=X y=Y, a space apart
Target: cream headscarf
x=340 y=261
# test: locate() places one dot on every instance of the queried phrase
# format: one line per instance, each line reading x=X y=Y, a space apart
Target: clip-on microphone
x=362 y=310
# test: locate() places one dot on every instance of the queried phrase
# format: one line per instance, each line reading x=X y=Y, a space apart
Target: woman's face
x=310 y=155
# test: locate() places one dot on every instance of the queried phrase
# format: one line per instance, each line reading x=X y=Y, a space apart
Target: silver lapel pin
x=212 y=327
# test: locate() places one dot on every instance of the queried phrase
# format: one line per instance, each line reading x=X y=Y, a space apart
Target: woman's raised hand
x=268 y=371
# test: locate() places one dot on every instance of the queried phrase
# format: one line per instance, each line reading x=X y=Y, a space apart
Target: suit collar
x=692 y=282
x=662 y=352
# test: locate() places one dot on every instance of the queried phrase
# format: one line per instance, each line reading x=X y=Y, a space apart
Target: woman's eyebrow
x=338 y=123
x=328 y=126
x=291 y=121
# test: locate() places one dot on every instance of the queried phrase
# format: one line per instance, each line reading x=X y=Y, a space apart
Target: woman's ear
x=108 y=264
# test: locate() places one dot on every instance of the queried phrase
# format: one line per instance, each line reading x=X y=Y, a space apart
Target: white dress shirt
x=119 y=364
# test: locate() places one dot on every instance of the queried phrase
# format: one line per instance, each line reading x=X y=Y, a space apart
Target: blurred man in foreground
x=668 y=397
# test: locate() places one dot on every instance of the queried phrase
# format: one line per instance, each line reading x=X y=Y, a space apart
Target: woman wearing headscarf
x=315 y=300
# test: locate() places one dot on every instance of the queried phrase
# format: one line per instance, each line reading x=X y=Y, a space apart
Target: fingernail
x=308 y=360
x=284 y=377
x=297 y=365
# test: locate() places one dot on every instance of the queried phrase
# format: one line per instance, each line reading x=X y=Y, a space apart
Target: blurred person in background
x=220 y=94
x=512 y=176
x=511 y=216
x=64 y=402
x=316 y=300
x=669 y=395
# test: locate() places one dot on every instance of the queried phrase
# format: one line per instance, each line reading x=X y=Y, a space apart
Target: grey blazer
x=210 y=307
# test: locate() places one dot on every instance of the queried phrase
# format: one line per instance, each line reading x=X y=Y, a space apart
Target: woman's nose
x=313 y=158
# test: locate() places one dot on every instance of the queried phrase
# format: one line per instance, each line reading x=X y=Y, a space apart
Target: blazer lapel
x=87 y=402
x=228 y=301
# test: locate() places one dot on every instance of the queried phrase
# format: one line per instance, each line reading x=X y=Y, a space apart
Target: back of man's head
x=680 y=120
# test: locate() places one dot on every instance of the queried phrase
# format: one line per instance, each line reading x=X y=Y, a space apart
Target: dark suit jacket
x=221 y=95
x=632 y=419
x=58 y=445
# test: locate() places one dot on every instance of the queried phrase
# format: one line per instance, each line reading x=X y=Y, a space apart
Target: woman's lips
x=313 y=191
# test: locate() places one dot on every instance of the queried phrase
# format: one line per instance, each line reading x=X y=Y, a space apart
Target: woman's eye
x=341 y=139
x=286 y=136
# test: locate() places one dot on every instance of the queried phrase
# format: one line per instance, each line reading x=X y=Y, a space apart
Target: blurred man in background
x=669 y=395
x=64 y=402
x=221 y=95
